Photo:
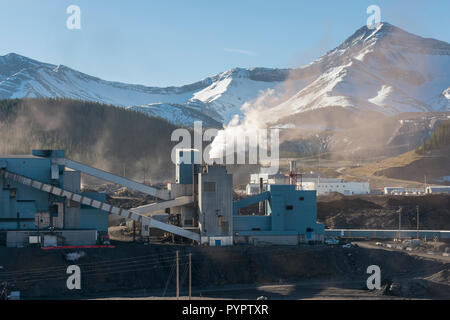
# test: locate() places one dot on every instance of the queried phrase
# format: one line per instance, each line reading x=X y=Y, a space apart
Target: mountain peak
x=364 y=34
x=17 y=61
x=388 y=33
x=384 y=69
x=12 y=56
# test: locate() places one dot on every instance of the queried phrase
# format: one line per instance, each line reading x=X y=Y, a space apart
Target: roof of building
x=19 y=156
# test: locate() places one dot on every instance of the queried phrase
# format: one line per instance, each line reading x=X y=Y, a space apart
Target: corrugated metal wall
x=216 y=206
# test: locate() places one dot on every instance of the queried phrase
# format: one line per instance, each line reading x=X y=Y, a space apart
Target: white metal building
x=326 y=186
x=438 y=189
x=403 y=191
x=267 y=178
x=251 y=189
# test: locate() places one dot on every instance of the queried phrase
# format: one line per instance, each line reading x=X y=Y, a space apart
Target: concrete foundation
x=217 y=241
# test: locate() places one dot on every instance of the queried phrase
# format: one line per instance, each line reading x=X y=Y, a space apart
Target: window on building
x=219 y=221
x=209 y=186
x=302 y=198
x=289 y=207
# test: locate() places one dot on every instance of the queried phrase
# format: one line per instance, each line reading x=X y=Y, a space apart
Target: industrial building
x=403 y=191
x=277 y=178
x=325 y=186
x=437 y=189
x=289 y=214
x=42 y=203
x=251 y=189
x=290 y=218
x=25 y=209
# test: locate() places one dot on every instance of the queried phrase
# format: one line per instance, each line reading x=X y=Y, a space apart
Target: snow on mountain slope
x=386 y=70
x=176 y=114
x=233 y=88
x=442 y=101
x=219 y=96
x=45 y=80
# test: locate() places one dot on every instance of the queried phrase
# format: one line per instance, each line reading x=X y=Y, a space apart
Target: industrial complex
x=42 y=203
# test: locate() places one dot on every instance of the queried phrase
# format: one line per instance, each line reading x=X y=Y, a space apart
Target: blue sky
x=168 y=42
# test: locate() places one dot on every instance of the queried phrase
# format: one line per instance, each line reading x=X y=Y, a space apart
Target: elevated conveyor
x=149 y=208
x=110 y=209
x=160 y=194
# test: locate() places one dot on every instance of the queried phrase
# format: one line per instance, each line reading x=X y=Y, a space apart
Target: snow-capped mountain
x=217 y=99
x=387 y=70
x=214 y=99
x=177 y=114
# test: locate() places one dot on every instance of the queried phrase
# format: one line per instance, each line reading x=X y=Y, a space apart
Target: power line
x=93 y=264
x=168 y=279
x=183 y=277
x=60 y=277
x=130 y=260
x=131 y=266
x=178 y=276
x=125 y=263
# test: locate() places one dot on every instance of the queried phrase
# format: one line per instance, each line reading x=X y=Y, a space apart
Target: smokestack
x=292 y=172
x=293 y=166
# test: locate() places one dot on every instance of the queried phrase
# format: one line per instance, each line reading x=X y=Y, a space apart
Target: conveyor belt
x=158 y=193
x=149 y=208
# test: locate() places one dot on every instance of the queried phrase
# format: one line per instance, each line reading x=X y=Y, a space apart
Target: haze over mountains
x=385 y=70
x=214 y=99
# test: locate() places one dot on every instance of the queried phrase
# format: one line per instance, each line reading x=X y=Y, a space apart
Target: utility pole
x=399 y=221
x=417 y=208
x=261 y=187
x=178 y=278
x=190 y=275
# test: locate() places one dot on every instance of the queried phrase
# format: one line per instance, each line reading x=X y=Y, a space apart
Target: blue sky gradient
x=176 y=42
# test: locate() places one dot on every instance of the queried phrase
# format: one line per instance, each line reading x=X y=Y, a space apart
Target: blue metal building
x=26 y=208
x=290 y=217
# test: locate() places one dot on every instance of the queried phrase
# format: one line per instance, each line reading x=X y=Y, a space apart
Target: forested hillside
x=105 y=136
x=438 y=140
